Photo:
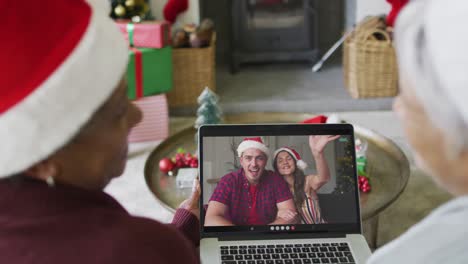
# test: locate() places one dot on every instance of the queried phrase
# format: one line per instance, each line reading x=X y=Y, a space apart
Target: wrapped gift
x=361 y=159
x=361 y=164
x=149 y=72
x=153 y=34
x=155 y=122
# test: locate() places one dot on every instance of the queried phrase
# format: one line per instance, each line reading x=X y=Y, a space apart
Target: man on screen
x=251 y=195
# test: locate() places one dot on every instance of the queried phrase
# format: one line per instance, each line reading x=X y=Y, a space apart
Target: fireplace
x=273 y=30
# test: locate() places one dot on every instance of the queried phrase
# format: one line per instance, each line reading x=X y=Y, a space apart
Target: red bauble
x=365 y=184
x=179 y=156
x=166 y=165
x=366 y=189
x=194 y=163
x=179 y=164
x=188 y=159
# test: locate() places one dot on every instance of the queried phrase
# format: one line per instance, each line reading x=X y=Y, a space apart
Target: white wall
x=192 y=15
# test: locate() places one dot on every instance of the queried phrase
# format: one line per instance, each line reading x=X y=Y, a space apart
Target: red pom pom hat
x=59 y=66
x=255 y=142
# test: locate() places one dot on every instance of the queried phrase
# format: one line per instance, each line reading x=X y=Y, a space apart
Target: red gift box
x=155 y=123
x=153 y=34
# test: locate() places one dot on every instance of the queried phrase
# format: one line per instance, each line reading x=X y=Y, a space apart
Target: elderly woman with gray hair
x=431 y=39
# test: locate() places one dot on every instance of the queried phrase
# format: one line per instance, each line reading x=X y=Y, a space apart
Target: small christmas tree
x=208 y=112
x=345 y=169
x=136 y=10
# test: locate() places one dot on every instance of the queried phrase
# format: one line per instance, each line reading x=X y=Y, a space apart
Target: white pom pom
x=301 y=165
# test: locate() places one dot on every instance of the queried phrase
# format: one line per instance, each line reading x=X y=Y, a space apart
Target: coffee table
x=387 y=165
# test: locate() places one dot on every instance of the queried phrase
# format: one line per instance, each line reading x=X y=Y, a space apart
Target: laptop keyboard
x=287 y=254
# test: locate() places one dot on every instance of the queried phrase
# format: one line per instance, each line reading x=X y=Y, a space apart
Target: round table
x=387 y=166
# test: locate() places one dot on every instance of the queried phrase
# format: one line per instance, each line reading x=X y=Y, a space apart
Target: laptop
x=281 y=228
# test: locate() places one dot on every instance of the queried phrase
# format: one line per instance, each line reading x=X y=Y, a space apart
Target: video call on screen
x=315 y=199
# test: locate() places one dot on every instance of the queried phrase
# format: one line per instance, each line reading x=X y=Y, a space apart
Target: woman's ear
x=42 y=170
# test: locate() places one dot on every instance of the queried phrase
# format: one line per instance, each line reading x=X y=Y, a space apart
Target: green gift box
x=149 y=72
x=361 y=163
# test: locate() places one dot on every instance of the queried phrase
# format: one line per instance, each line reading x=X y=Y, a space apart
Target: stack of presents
x=149 y=76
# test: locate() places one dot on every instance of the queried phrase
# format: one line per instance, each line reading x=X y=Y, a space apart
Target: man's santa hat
x=254 y=142
x=58 y=67
x=299 y=162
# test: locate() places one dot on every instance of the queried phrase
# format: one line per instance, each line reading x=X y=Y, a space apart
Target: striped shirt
x=310 y=211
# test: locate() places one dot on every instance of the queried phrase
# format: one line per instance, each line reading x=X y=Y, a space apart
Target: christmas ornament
x=119 y=11
x=166 y=165
x=363 y=184
x=135 y=10
x=361 y=164
x=182 y=159
x=130 y=4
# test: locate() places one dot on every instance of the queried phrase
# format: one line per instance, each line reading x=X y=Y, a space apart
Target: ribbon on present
x=130 y=29
x=138 y=72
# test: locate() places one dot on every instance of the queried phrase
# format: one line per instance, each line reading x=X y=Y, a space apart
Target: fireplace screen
x=264 y=14
x=273 y=30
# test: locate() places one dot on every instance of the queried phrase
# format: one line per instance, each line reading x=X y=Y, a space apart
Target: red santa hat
x=255 y=142
x=299 y=162
x=59 y=66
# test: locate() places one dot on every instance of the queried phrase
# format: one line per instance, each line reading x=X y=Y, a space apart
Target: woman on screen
x=288 y=163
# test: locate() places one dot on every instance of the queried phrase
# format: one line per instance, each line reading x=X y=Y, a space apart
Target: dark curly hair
x=299 y=182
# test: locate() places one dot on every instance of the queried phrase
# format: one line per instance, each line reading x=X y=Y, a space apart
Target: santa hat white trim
x=53 y=114
x=246 y=144
x=302 y=165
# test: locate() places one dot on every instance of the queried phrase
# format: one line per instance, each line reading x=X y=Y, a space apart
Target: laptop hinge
x=281 y=236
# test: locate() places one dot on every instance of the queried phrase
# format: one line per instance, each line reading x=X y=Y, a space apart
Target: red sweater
x=63 y=224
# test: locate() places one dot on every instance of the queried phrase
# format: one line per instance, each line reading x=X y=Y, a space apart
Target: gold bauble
x=119 y=11
x=130 y=3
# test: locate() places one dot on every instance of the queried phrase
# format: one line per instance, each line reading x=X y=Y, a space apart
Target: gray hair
x=430 y=39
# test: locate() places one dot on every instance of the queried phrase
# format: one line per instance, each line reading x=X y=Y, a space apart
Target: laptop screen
x=296 y=178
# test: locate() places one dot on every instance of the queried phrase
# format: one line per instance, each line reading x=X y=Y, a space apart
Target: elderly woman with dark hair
x=64 y=122
x=431 y=39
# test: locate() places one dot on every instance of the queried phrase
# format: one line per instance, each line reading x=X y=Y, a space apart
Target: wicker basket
x=369 y=63
x=194 y=69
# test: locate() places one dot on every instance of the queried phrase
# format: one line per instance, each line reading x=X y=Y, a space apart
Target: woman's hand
x=192 y=203
x=288 y=215
x=318 y=143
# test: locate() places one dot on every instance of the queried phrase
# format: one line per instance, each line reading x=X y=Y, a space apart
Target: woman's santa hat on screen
x=299 y=162
x=254 y=142
x=72 y=58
